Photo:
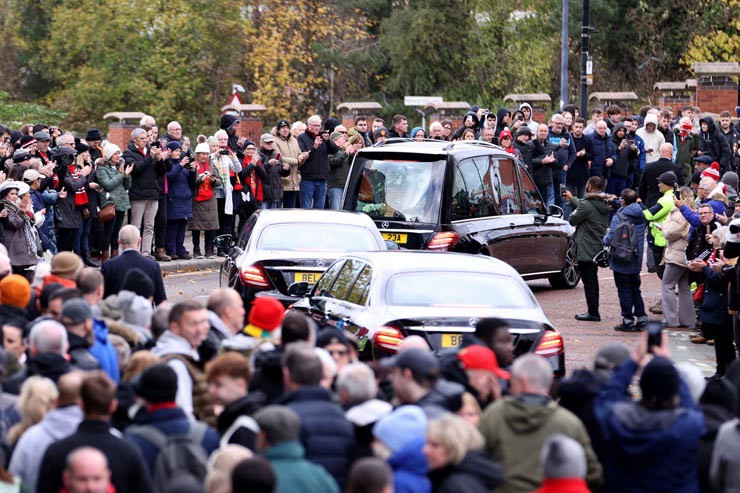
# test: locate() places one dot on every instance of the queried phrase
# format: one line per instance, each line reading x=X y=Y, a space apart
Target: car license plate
x=309 y=277
x=451 y=340
x=400 y=238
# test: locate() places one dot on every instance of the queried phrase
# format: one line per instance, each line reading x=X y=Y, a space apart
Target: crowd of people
x=108 y=387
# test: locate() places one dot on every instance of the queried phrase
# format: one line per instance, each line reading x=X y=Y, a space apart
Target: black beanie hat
x=137 y=281
x=227 y=121
x=668 y=178
x=659 y=380
x=157 y=384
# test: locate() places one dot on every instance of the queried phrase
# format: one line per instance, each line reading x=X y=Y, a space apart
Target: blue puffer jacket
x=170 y=421
x=180 y=181
x=410 y=468
x=648 y=450
x=326 y=434
x=603 y=149
x=633 y=213
x=104 y=352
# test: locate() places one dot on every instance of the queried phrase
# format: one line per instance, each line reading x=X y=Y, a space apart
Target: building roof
x=122 y=116
x=528 y=98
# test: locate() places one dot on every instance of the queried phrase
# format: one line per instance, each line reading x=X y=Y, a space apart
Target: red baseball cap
x=481 y=358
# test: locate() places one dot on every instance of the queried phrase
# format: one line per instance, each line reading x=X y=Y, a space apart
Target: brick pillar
x=539 y=114
x=717 y=86
x=119 y=133
x=251 y=127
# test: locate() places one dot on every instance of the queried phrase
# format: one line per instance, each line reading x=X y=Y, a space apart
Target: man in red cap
x=483 y=373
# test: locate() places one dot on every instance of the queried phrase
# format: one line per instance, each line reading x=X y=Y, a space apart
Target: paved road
x=582 y=339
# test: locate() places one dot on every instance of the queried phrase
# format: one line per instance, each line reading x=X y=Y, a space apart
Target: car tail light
x=551 y=344
x=388 y=338
x=253 y=276
x=443 y=241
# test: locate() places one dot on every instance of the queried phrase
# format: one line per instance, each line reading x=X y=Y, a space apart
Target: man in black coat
x=649 y=191
x=713 y=143
x=128 y=471
x=326 y=434
x=114 y=270
x=315 y=169
x=149 y=165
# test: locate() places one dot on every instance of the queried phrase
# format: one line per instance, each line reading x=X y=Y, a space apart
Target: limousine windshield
x=400 y=190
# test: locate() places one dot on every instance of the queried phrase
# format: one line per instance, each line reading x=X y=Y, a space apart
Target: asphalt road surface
x=582 y=339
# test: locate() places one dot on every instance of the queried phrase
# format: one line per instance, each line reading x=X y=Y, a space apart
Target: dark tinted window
x=246 y=232
x=472 y=195
x=317 y=237
x=530 y=196
x=341 y=287
x=322 y=287
x=358 y=293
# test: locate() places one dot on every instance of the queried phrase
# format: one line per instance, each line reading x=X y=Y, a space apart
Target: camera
x=224 y=152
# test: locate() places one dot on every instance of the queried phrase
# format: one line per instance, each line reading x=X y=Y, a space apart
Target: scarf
x=26 y=228
x=205 y=190
x=255 y=184
x=81 y=198
x=223 y=165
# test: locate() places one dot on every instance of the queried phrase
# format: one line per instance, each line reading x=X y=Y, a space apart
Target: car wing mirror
x=298 y=289
x=555 y=211
x=223 y=242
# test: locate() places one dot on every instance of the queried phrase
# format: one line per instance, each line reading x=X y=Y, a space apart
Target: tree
x=721 y=43
x=285 y=41
x=176 y=62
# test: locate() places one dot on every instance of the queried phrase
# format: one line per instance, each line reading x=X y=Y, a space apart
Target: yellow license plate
x=309 y=277
x=400 y=238
x=451 y=340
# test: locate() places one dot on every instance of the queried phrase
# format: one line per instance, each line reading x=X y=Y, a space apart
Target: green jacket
x=115 y=187
x=591 y=218
x=515 y=429
x=295 y=473
x=685 y=153
x=657 y=214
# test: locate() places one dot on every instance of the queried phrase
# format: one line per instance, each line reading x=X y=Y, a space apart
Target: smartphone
x=278 y=156
x=224 y=152
x=562 y=189
x=654 y=330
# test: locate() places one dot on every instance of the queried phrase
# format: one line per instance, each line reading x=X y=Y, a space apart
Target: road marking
x=196 y=272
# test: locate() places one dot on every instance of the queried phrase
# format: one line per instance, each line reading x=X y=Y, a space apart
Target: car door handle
x=512 y=225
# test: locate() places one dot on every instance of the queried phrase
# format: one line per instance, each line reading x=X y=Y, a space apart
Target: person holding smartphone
x=224 y=162
x=275 y=170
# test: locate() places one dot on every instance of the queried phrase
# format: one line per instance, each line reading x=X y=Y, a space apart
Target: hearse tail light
x=551 y=344
x=388 y=338
x=253 y=276
x=443 y=241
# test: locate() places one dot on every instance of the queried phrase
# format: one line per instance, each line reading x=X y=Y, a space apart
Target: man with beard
x=729 y=131
x=713 y=143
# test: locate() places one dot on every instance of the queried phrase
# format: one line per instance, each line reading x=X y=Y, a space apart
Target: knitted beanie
x=66 y=265
x=15 y=291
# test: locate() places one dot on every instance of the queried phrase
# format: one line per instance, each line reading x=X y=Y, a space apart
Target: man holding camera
x=315 y=169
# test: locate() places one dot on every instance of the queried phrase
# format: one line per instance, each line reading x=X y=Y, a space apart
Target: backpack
x=623 y=247
x=178 y=455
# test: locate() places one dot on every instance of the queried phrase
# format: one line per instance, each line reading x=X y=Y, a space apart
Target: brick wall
x=120 y=134
x=251 y=127
x=716 y=93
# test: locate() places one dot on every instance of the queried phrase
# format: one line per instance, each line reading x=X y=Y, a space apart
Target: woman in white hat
x=21 y=238
x=205 y=206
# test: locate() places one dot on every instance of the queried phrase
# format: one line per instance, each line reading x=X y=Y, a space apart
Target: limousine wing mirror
x=555 y=211
x=298 y=289
x=222 y=242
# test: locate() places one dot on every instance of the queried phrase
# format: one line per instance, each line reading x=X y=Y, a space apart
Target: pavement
x=583 y=339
